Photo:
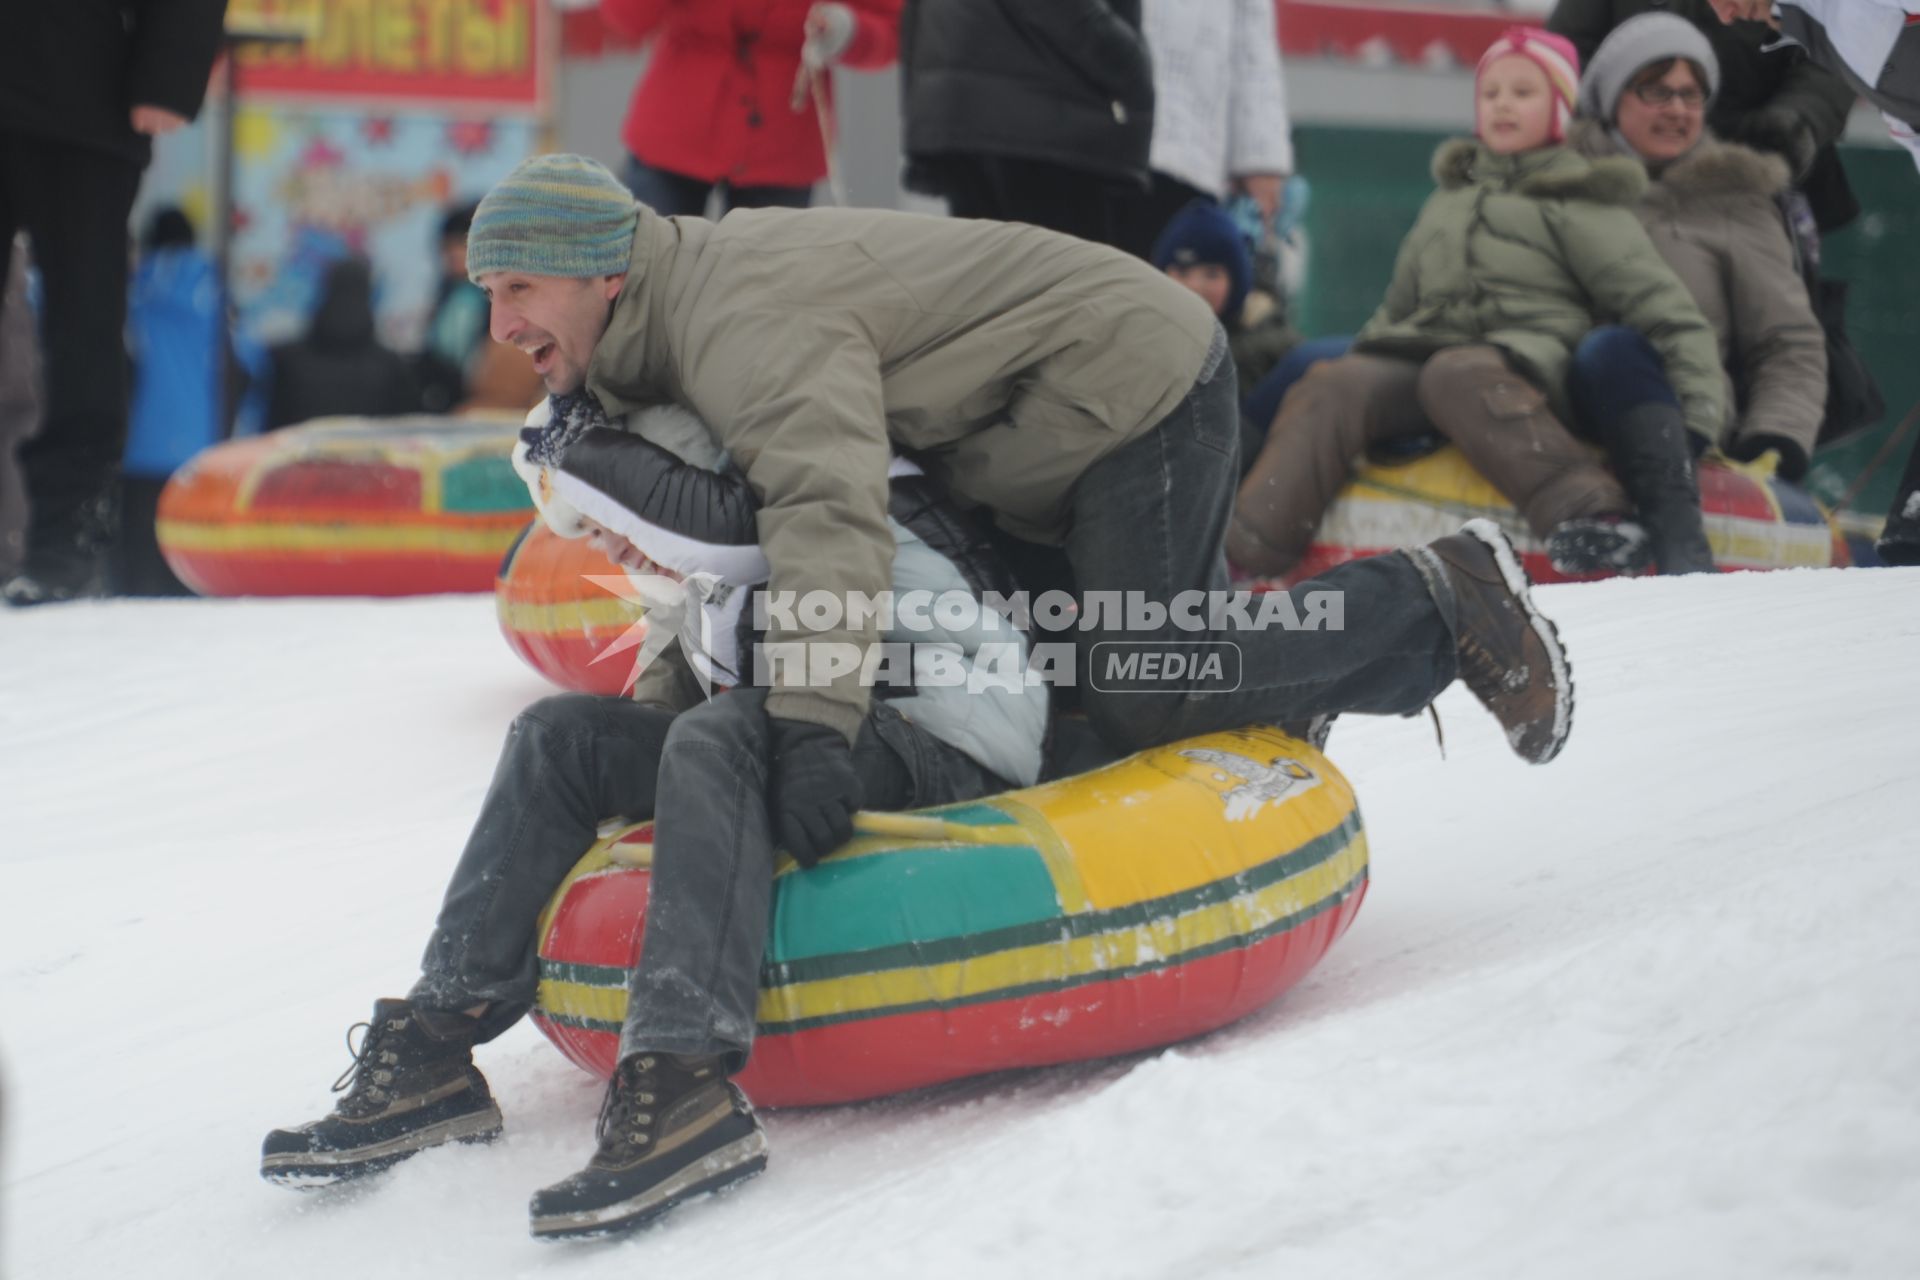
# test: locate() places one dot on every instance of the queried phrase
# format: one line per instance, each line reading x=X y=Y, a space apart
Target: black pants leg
x=73 y=203
x=764 y=197
x=572 y=761
x=138 y=568
x=1151 y=518
x=1076 y=201
x=1900 y=541
x=1141 y=215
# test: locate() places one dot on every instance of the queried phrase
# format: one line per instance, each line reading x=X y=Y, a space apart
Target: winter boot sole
x=313 y=1169
x=1489 y=534
x=718 y=1170
x=1591 y=546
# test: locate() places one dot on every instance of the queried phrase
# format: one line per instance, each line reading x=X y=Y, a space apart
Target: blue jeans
x=676 y=195
x=572 y=761
x=1151 y=518
x=1614 y=371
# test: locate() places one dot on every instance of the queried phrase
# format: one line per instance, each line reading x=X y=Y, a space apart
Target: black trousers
x=137 y=567
x=1141 y=216
x=73 y=203
x=1077 y=201
x=573 y=760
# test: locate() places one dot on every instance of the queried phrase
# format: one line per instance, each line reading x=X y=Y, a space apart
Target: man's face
x=557 y=320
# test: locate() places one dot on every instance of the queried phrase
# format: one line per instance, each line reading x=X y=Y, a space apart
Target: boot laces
x=627 y=1112
x=1487 y=673
x=370 y=1072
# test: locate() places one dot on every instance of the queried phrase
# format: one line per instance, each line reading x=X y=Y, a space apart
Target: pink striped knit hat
x=1554 y=55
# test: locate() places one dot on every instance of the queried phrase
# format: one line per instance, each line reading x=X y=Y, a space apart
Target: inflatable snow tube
x=347 y=506
x=1752 y=522
x=1134 y=906
x=560 y=609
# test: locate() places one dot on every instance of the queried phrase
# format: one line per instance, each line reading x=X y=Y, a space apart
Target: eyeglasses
x=1659 y=95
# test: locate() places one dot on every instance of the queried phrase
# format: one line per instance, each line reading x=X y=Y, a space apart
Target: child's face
x=1208 y=279
x=1515 y=111
x=614 y=547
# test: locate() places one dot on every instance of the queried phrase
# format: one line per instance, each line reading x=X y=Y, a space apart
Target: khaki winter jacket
x=1007 y=358
x=1528 y=252
x=1712 y=216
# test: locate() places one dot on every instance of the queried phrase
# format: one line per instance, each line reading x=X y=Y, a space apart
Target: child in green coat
x=1524 y=248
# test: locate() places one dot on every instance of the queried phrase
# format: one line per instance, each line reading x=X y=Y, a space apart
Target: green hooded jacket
x=1527 y=253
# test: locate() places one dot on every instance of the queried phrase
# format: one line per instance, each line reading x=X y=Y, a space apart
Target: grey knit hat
x=1648 y=37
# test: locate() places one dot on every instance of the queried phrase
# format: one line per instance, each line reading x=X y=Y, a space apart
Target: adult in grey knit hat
x=1648 y=37
x=1710 y=213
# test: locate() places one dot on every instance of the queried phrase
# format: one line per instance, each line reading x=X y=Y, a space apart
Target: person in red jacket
x=727 y=98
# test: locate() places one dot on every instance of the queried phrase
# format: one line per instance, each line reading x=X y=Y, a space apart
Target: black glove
x=1785 y=134
x=813 y=789
x=1793 y=458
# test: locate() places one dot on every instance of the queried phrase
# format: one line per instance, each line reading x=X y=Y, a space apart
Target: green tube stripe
x=1155 y=965
x=879 y=904
x=921 y=952
x=585 y=1024
x=587 y=975
x=606 y=976
x=483 y=486
x=1054 y=929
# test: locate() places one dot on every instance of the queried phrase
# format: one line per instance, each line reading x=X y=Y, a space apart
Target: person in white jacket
x=1220 y=114
x=1874 y=45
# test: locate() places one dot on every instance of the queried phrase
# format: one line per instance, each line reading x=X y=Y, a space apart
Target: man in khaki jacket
x=1072 y=390
x=1085 y=399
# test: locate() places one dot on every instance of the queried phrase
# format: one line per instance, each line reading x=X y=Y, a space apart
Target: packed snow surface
x=1648 y=1011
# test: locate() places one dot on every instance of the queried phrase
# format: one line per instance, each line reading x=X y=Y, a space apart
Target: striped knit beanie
x=555 y=215
x=1554 y=55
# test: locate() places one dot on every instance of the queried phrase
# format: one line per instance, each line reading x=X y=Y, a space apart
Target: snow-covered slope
x=1648 y=1011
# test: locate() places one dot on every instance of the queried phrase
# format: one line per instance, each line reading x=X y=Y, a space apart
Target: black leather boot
x=1651 y=455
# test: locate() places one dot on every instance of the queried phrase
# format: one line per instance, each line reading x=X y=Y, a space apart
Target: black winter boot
x=1650 y=452
x=68 y=560
x=671 y=1128
x=1900 y=541
x=413 y=1086
x=1510 y=653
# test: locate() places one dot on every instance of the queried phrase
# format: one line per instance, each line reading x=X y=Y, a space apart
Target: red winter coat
x=714 y=102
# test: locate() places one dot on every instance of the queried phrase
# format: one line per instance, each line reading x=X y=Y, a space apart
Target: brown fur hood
x=1714 y=169
x=1558 y=174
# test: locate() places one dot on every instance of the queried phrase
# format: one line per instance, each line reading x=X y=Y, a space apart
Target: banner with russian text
x=465 y=56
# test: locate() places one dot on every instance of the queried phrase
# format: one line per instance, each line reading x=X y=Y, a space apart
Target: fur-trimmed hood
x=1713 y=169
x=1551 y=173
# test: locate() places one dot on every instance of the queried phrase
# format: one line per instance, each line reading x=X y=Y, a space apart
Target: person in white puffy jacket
x=1220 y=122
